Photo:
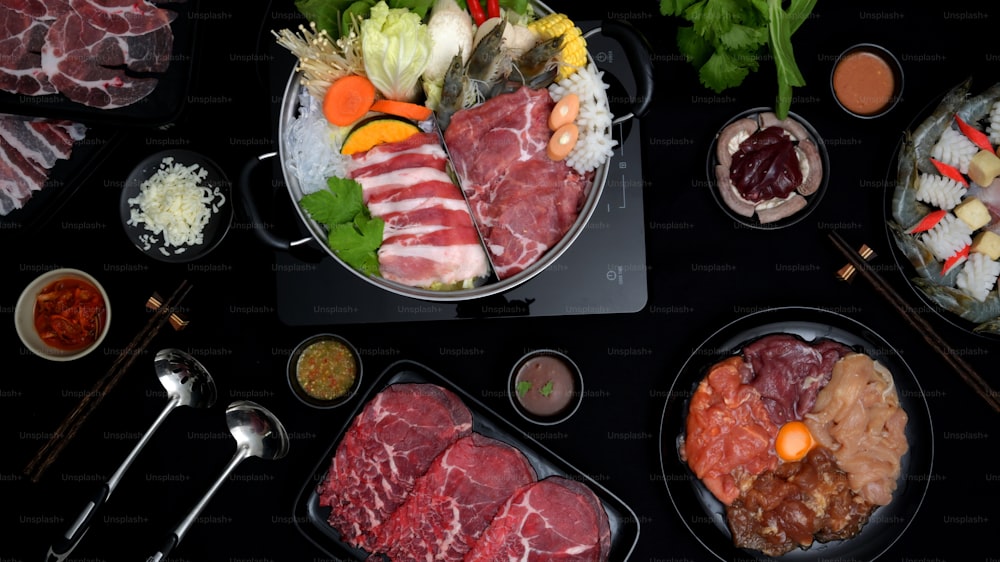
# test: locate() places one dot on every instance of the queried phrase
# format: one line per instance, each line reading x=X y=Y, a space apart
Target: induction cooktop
x=603 y=272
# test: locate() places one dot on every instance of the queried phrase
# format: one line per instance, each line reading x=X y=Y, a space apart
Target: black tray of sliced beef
x=121 y=62
x=423 y=467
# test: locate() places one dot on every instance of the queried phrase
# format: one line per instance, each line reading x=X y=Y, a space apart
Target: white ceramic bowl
x=24 y=316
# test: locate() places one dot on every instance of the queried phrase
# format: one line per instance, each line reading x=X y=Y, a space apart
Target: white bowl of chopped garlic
x=175 y=205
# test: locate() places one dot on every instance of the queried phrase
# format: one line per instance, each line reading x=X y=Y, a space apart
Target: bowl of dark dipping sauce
x=867 y=80
x=545 y=387
x=324 y=371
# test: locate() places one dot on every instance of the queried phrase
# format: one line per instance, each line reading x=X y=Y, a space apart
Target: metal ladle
x=188 y=384
x=258 y=433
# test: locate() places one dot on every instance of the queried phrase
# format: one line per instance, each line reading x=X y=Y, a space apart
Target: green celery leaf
x=784 y=59
x=547 y=389
x=356 y=242
x=339 y=203
x=742 y=37
x=722 y=71
x=523 y=387
x=676 y=7
x=694 y=47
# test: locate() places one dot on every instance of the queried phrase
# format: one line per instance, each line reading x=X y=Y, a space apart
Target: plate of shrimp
x=943 y=207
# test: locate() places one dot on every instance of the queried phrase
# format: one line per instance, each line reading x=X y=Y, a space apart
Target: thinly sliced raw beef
x=22 y=35
x=523 y=201
x=553 y=519
x=89 y=47
x=453 y=502
x=429 y=238
x=386 y=448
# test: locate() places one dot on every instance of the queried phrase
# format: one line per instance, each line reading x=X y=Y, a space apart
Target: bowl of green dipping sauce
x=324 y=371
x=546 y=387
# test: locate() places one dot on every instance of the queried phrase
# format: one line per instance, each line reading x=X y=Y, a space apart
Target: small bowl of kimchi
x=63 y=314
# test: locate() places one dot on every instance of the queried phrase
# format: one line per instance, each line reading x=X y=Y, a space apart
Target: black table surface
x=703 y=271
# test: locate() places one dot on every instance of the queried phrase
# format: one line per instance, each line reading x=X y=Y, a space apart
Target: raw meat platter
x=311 y=518
x=705 y=516
x=163 y=82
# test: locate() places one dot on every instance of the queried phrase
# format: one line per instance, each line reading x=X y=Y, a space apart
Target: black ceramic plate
x=705 y=517
x=812 y=201
x=310 y=518
x=958 y=315
x=217 y=225
x=161 y=106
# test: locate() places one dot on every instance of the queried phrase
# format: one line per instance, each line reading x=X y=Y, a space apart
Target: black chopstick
x=71 y=424
x=968 y=374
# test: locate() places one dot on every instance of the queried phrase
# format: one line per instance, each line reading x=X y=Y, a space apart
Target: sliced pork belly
x=456 y=498
x=429 y=238
x=29 y=148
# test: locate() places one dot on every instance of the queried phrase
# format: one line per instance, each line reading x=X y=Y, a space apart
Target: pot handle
x=640 y=58
x=257 y=223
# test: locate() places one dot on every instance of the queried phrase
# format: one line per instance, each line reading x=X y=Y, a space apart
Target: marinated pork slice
x=453 y=502
x=552 y=519
x=385 y=449
x=523 y=201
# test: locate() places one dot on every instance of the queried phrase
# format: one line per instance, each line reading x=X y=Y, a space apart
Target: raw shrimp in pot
x=490 y=62
x=454 y=92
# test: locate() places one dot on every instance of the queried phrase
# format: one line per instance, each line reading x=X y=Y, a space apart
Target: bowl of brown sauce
x=324 y=371
x=545 y=386
x=867 y=80
x=63 y=314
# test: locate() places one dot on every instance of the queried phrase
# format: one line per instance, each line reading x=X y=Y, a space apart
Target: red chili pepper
x=493 y=8
x=950 y=171
x=959 y=257
x=978 y=137
x=476 y=9
x=928 y=221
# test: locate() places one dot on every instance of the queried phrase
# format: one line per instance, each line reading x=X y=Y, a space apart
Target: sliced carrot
x=563 y=141
x=565 y=111
x=348 y=99
x=405 y=109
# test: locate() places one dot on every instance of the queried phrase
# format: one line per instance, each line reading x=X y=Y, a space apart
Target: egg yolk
x=794 y=441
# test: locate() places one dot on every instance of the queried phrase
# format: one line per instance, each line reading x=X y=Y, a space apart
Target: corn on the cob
x=573 y=54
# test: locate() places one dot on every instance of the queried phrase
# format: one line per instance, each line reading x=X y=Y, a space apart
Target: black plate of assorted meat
x=766 y=172
x=122 y=62
x=423 y=470
x=799 y=434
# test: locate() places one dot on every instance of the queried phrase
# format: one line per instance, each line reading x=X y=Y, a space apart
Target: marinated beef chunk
x=796 y=504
